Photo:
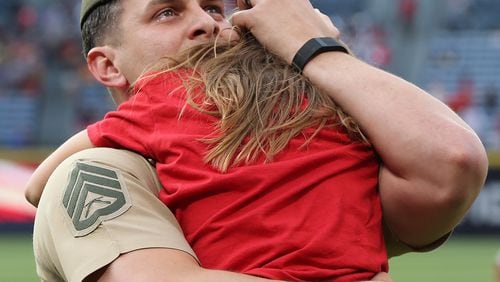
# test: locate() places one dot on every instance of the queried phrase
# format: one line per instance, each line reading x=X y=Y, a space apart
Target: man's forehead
x=226 y=2
x=89 y=5
x=144 y=7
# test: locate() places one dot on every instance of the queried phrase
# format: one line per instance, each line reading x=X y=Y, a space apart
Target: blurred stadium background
x=451 y=48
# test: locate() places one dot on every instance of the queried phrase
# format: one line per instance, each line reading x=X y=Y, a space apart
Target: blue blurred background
x=450 y=48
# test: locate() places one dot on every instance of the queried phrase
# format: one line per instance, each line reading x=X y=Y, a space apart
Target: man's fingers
x=283 y=26
x=241 y=20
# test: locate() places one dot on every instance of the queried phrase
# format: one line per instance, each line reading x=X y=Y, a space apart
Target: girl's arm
x=37 y=181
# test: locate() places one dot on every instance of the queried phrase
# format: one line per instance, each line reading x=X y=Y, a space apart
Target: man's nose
x=204 y=26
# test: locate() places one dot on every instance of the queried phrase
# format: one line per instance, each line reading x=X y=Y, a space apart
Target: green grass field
x=462 y=259
x=16 y=259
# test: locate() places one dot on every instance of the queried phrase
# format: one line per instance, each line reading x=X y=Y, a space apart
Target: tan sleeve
x=98 y=204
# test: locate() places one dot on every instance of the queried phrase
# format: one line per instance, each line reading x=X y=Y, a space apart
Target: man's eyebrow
x=153 y=3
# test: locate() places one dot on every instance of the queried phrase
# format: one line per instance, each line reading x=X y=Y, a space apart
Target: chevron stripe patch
x=94 y=193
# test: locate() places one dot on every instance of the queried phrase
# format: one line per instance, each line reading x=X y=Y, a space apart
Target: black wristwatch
x=314 y=47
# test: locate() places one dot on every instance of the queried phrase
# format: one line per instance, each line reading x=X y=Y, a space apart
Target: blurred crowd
x=472 y=14
x=47 y=94
x=42 y=72
x=464 y=66
x=36 y=38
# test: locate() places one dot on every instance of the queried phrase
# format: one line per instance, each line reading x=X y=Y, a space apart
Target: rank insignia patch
x=94 y=193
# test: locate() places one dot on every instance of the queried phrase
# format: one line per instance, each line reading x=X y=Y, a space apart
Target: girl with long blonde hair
x=266 y=175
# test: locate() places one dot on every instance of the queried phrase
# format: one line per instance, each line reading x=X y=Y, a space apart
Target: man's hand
x=283 y=26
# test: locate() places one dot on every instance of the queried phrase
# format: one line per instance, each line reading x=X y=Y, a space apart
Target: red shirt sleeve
x=150 y=119
x=129 y=127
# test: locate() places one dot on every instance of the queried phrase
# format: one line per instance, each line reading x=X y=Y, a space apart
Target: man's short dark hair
x=101 y=26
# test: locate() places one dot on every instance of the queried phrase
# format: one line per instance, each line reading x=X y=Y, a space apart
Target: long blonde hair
x=260 y=100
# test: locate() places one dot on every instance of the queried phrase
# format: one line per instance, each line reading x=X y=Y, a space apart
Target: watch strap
x=315 y=46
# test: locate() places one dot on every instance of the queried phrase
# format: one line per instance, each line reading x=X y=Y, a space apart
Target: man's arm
x=38 y=179
x=434 y=165
x=144 y=243
x=173 y=265
x=164 y=265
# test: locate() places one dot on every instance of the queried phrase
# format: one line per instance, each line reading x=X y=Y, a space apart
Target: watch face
x=327 y=41
x=314 y=47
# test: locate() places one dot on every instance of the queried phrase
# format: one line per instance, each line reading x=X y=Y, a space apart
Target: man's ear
x=100 y=61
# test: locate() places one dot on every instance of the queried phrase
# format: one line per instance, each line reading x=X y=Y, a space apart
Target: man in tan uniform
x=99 y=216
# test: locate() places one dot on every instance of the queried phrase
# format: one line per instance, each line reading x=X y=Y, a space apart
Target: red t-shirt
x=313 y=213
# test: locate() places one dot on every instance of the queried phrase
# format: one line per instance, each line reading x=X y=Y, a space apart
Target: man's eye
x=165 y=14
x=214 y=10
